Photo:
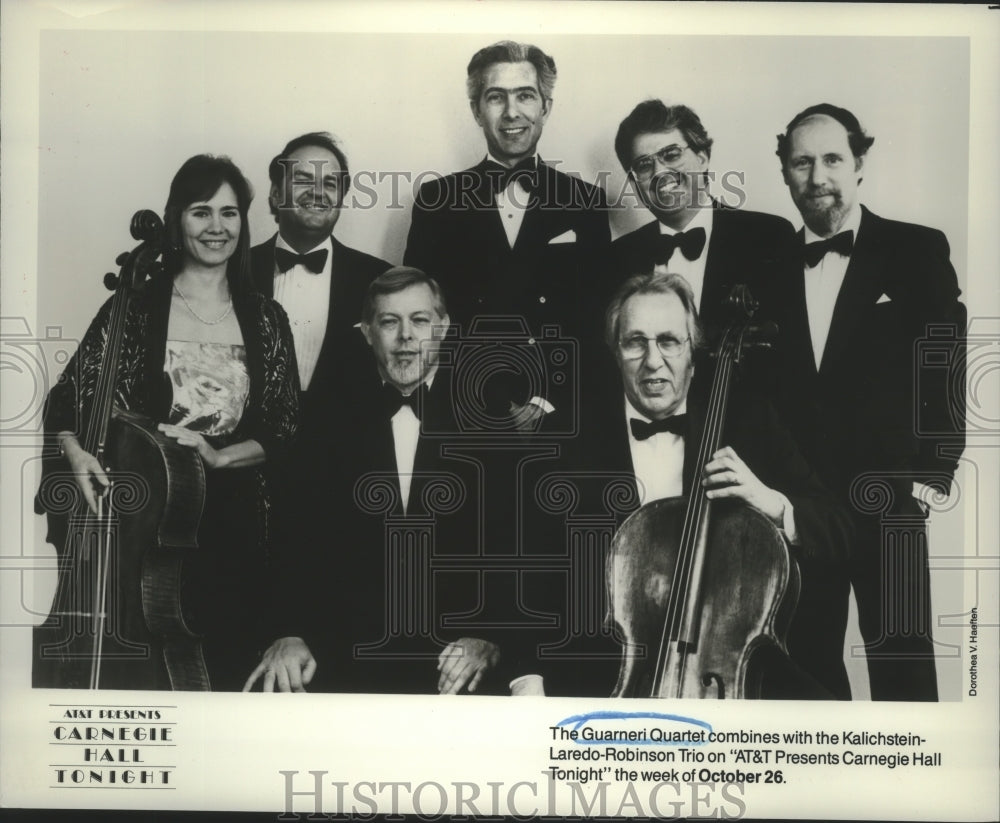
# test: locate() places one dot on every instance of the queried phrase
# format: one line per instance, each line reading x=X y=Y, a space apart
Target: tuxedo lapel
x=794 y=325
x=262 y=266
x=860 y=288
x=644 y=258
x=696 y=405
x=490 y=238
x=536 y=219
x=722 y=248
x=342 y=279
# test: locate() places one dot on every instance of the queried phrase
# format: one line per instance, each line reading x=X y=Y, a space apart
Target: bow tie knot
x=641 y=430
x=394 y=400
x=691 y=243
x=314 y=260
x=841 y=243
x=524 y=173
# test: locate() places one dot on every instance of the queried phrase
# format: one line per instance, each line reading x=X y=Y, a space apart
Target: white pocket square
x=884 y=299
x=565 y=237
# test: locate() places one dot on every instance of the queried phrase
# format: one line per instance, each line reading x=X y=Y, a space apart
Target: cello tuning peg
x=111 y=281
x=122 y=258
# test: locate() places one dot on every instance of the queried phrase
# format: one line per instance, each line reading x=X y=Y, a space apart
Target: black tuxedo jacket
x=378 y=605
x=889 y=394
x=343 y=347
x=457 y=236
x=298 y=477
x=755 y=433
x=548 y=291
x=745 y=247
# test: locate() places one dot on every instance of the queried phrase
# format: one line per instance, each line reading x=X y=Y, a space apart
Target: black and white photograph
x=339 y=473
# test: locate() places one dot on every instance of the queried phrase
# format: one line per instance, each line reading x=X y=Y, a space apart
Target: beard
x=823 y=218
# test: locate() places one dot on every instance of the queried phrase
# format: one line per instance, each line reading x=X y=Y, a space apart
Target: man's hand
x=288 y=663
x=527 y=418
x=465 y=661
x=726 y=475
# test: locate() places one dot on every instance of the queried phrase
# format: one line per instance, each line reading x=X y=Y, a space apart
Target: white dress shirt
x=512 y=203
x=405 y=437
x=305 y=297
x=823 y=282
x=658 y=461
x=692 y=270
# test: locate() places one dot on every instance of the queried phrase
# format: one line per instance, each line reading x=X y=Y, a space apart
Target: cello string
x=104 y=551
x=85 y=581
x=684 y=563
x=69 y=598
x=691 y=592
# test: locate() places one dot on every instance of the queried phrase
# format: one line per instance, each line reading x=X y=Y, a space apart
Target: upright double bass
x=117 y=619
x=703 y=591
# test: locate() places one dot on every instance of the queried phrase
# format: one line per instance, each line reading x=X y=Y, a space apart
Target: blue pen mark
x=690 y=730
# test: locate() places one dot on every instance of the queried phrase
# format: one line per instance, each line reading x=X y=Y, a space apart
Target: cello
x=709 y=587
x=117 y=619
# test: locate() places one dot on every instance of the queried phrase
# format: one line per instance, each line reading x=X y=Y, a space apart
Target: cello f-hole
x=720 y=686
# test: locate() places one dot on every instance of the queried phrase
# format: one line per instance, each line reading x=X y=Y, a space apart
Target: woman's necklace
x=190 y=308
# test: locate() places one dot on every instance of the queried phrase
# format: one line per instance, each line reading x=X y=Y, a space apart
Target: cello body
x=751 y=589
x=702 y=590
x=145 y=639
x=117 y=619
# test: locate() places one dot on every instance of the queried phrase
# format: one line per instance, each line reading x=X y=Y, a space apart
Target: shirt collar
x=428 y=381
x=326 y=244
x=702 y=219
x=631 y=413
x=852 y=223
x=491 y=158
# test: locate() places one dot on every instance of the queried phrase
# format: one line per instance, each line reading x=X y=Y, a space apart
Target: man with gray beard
x=871 y=415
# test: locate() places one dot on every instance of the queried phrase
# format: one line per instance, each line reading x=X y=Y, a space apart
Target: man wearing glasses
x=666 y=151
x=649 y=430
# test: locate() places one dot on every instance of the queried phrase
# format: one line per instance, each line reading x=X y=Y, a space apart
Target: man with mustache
x=665 y=150
x=320 y=283
x=853 y=386
x=512 y=236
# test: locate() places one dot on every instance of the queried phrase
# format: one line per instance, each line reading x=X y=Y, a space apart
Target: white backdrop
x=119 y=114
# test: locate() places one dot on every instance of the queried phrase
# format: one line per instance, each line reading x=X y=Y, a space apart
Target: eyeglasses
x=667 y=156
x=637 y=346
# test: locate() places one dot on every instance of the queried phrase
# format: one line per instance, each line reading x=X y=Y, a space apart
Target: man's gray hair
x=653 y=283
x=507 y=51
x=395 y=280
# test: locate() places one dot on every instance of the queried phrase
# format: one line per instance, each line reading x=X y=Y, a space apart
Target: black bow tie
x=841 y=243
x=393 y=400
x=641 y=430
x=690 y=243
x=524 y=173
x=314 y=261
